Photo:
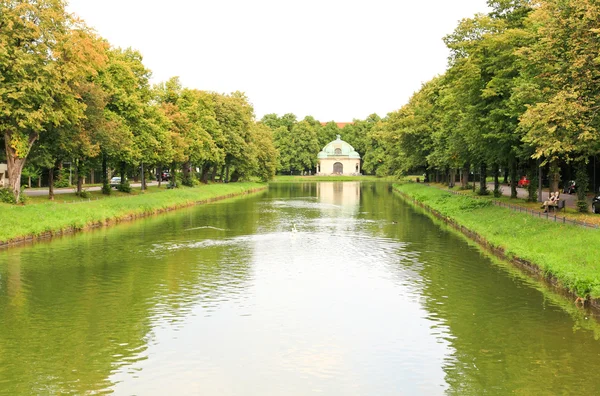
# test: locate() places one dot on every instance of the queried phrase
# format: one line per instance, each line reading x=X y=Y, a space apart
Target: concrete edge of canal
x=530 y=268
x=120 y=219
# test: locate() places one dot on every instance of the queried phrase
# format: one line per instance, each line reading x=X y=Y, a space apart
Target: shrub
x=497 y=192
x=582 y=206
x=189 y=180
x=85 y=194
x=7 y=196
x=124 y=186
x=23 y=198
x=62 y=181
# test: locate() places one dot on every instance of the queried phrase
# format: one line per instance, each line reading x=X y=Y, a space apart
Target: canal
x=332 y=288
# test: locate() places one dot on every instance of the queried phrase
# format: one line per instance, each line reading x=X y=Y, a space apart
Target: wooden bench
x=558 y=205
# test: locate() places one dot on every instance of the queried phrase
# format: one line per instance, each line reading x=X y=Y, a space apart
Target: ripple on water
x=352 y=303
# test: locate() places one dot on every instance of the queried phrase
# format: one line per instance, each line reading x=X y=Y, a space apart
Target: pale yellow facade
x=338 y=195
x=3 y=175
x=348 y=166
x=338 y=158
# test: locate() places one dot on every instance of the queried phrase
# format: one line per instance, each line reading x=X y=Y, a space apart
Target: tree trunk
x=159 y=173
x=186 y=174
x=582 y=183
x=513 y=179
x=214 y=173
x=122 y=172
x=51 y=184
x=222 y=173
x=205 y=171
x=532 y=175
x=554 y=176
x=465 y=176
x=105 y=184
x=235 y=176
x=483 y=179
x=78 y=177
x=59 y=166
x=227 y=174
x=496 y=172
x=452 y=177
x=15 y=164
x=505 y=181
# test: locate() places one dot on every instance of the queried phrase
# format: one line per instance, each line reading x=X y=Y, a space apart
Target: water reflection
x=368 y=297
x=339 y=194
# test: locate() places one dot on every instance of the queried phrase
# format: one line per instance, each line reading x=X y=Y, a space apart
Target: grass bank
x=18 y=223
x=565 y=253
x=296 y=179
x=570 y=212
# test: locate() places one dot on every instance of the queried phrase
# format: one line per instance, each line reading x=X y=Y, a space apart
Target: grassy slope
x=567 y=252
x=33 y=220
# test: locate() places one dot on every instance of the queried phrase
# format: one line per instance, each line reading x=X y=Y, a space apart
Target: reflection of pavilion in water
x=343 y=194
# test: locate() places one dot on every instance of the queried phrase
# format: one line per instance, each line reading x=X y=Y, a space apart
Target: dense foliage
x=521 y=91
x=66 y=95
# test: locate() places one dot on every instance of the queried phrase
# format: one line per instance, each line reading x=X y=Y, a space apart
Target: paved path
x=71 y=190
x=570 y=199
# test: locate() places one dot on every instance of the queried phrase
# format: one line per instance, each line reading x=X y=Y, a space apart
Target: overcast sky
x=334 y=60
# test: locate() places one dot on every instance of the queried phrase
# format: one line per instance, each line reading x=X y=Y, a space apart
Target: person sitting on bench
x=553 y=201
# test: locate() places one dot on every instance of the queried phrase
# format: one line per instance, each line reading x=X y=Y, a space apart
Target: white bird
x=294 y=227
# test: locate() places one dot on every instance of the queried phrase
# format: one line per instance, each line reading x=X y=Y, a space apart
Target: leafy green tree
x=39 y=60
x=563 y=79
x=328 y=133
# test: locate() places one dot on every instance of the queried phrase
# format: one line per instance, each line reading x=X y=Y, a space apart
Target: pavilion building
x=338 y=158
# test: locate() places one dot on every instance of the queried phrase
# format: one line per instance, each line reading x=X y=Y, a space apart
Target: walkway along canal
x=369 y=296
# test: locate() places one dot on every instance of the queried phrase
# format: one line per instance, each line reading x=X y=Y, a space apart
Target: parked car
x=569 y=187
x=115 y=181
x=523 y=182
x=596 y=204
x=164 y=176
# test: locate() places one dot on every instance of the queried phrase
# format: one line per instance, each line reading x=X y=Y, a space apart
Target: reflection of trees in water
x=507 y=335
x=72 y=312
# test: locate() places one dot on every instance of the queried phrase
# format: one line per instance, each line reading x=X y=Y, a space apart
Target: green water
x=367 y=297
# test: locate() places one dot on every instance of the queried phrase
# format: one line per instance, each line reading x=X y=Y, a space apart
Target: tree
x=38 y=62
x=564 y=79
x=264 y=151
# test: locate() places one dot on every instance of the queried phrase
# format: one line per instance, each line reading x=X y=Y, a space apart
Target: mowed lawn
x=17 y=221
x=567 y=252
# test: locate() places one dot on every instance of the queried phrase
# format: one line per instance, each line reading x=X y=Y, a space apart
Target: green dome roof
x=339 y=148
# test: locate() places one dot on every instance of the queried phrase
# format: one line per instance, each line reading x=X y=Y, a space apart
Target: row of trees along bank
x=66 y=94
x=521 y=92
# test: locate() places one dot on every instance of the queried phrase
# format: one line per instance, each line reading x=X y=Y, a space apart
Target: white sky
x=334 y=60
